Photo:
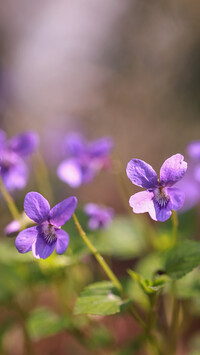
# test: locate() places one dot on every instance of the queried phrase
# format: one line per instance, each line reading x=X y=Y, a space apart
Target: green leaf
x=181 y=259
x=42 y=322
x=189 y=286
x=100 y=298
x=146 y=285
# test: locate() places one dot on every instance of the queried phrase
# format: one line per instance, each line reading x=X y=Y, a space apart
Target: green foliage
x=100 y=298
x=124 y=239
x=42 y=322
x=181 y=259
x=148 y=286
x=100 y=336
x=189 y=285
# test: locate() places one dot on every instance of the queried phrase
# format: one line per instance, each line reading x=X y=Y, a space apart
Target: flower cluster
x=13 y=152
x=85 y=159
x=160 y=197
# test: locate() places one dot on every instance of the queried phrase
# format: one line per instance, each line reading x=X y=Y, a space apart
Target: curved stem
x=98 y=256
x=9 y=200
x=106 y=269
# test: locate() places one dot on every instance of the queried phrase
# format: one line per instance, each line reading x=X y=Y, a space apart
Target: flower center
x=48 y=233
x=161 y=196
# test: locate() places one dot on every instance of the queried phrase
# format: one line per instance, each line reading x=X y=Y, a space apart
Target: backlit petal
x=172 y=170
x=141 y=174
x=36 y=207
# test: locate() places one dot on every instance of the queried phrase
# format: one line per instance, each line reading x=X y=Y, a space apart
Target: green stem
x=97 y=255
x=175 y=227
x=106 y=268
x=9 y=200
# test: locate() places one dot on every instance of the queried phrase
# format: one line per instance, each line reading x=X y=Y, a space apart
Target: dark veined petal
x=63 y=211
x=25 y=239
x=70 y=172
x=62 y=241
x=142 y=202
x=177 y=198
x=141 y=174
x=172 y=170
x=24 y=144
x=41 y=249
x=36 y=207
x=159 y=213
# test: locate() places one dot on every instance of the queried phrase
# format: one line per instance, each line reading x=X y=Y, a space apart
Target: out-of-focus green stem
x=175 y=227
x=42 y=177
x=9 y=200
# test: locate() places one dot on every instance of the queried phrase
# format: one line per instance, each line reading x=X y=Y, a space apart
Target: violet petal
x=91 y=208
x=101 y=147
x=36 y=207
x=75 y=144
x=70 y=172
x=25 y=239
x=159 y=213
x=193 y=150
x=93 y=224
x=141 y=174
x=15 y=177
x=12 y=228
x=172 y=170
x=177 y=198
x=142 y=202
x=41 y=249
x=63 y=211
x=24 y=144
x=62 y=241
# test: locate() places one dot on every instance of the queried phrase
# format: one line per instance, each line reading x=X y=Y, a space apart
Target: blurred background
x=128 y=69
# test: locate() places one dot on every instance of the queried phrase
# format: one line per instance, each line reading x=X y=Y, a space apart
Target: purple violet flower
x=47 y=235
x=99 y=217
x=85 y=160
x=160 y=197
x=193 y=151
x=12 y=228
x=190 y=184
x=12 y=155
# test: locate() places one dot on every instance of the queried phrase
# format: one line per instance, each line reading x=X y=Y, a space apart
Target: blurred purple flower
x=12 y=228
x=160 y=197
x=99 y=217
x=12 y=155
x=47 y=235
x=85 y=160
x=190 y=184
